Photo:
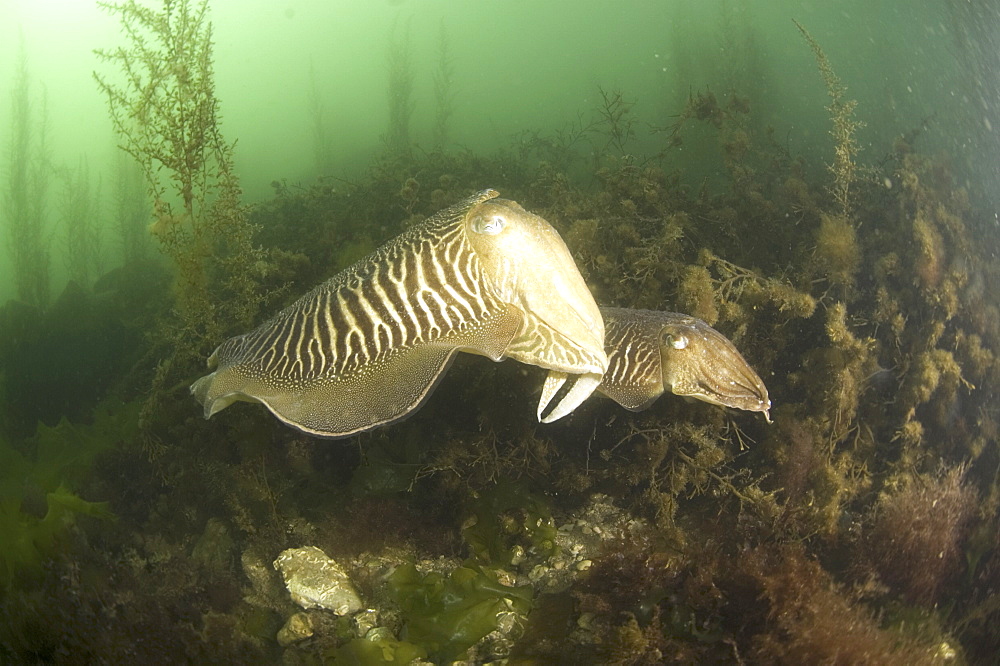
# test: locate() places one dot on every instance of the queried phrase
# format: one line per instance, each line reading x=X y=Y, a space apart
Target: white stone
x=316 y=581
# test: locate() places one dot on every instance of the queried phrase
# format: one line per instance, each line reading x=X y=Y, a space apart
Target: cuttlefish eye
x=491 y=225
x=679 y=341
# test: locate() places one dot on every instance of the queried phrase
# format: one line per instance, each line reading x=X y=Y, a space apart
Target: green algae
x=448 y=614
x=364 y=652
x=37 y=498
x=507 y=519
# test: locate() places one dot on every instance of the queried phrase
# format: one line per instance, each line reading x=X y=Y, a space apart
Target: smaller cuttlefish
x=650 y=352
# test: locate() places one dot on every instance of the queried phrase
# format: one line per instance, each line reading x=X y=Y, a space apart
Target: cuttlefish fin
x=379 y=394
x=633 y=398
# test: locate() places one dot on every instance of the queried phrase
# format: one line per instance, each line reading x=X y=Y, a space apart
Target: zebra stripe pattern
x=419 y=288
x=633 y=354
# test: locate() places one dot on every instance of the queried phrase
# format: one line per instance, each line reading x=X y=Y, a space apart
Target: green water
x=521 y=66
x=687 y=154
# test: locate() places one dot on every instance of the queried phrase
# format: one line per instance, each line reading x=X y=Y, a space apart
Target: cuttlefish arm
x=652 y=352
x=368 y=346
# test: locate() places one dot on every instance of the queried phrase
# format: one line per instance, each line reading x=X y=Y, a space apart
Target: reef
x=859 y=527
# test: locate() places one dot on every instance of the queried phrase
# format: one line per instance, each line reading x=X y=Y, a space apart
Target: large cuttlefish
x=650 y=352
x=366 y=347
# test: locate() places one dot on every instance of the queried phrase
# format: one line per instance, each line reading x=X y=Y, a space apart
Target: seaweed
x=167 y=116
x=812 y=619
x=27 y=180
x=916 y=533
x=505 y=521
x=845 y=126
x=366 y=652
x=400 y=94
x=447 y=615
x=614 y=121
x=38 y=502
x=444 y=90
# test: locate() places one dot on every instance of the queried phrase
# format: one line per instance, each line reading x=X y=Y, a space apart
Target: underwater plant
x=505 y=519
x=321 y=141
x=25 y=188
x=80 y=214
x=845 y=126
x=916 y=534
x=131 y=210
x=37 y=498
x=614 y=121
x=444 y=91
x=167 y=115
x=164 y=109
x=400 y=92
x=812 y=619
x=448 y=614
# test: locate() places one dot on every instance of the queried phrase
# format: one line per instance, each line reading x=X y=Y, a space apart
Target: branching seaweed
x=167 y=115
x=845 y=126
x=444 y=92
x=615 y=121
x=80 y=218
x=24 y=194
x=397 y=136
x=322 y=144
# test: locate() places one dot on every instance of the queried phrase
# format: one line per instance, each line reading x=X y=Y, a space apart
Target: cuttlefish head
x=529 y=266
x=650 y=352
x=701 y=363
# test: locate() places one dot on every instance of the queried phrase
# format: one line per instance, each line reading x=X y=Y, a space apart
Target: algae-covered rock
x=297 y=628
x=215 y=548
x=316 y=581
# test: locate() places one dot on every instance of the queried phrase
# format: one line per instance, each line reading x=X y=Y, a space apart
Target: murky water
x=814 y=183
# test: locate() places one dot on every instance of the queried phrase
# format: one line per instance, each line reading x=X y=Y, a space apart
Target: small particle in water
x=909 y=89
x=989 y=125
x=888 y=183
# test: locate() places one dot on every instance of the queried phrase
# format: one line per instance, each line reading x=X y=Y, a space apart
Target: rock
x=215 y=548
x=316 y=581
x=265 y=585
x=365 y=621
x=297 y=628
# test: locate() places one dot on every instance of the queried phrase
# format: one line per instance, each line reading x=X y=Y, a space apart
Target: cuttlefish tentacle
x=368 y=346
x=651 y=352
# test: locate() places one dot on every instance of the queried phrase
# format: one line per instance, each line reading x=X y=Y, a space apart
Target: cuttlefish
x=368 y=346
x=650 y=352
